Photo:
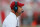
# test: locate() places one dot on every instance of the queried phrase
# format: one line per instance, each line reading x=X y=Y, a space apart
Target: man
x=16 y=10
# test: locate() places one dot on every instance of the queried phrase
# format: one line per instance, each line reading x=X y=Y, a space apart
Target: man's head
x=17 y=8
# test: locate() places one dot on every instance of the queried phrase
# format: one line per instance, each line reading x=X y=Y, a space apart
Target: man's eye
x=21 y=7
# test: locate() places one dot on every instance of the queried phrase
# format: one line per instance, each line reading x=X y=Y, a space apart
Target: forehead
x=20 y=6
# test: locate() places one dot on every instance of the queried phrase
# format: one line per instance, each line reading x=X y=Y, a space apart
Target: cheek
x=19 y=10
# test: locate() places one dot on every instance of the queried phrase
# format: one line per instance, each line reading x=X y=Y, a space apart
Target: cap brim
x=20 y=4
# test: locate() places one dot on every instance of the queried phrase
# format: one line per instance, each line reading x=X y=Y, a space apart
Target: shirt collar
x=12 y=13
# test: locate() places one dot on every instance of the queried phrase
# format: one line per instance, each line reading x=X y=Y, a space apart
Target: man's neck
x=14 y=13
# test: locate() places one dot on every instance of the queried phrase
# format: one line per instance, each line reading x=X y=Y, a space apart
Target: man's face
x=19 y=10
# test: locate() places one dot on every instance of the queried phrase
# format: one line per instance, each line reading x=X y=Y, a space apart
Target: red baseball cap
x=18 y=4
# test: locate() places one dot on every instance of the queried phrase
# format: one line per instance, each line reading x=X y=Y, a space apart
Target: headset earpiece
x=15 y=7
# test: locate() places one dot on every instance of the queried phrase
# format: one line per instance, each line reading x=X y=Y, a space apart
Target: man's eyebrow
x=19 y=6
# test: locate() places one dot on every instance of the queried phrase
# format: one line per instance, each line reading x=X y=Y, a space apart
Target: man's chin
x=19 y=14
